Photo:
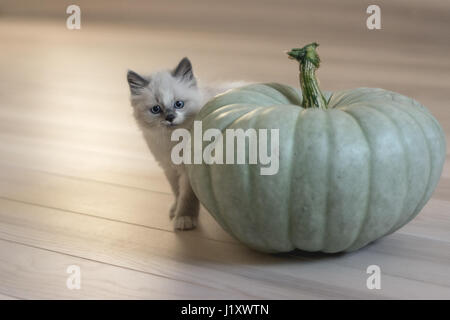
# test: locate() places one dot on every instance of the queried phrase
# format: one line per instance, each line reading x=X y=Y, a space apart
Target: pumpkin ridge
x=253 y=119
x=213 y=192
x=253 y=114
x=214 y=197
x=346 y=98
x=289 y=227
x=428 y=114
x=369 y=105
x=328 y=173
x=229 y=124
x=407 y=112
x=214 y=101
x=430 y=159
x=291 y=94
x=406 y=162
x=221 y=221
x=249 y=108
x=246 y=89
x=206 y=113
x=370 y=177
x=279 y=94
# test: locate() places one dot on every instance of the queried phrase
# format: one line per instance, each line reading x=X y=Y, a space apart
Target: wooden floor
x=79 y=187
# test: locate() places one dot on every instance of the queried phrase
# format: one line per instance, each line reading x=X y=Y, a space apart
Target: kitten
x=163 y=102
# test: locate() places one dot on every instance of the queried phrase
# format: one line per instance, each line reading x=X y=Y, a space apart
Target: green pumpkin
x=354 y=165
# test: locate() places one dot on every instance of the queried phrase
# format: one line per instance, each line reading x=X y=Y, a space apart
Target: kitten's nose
x=170 y=117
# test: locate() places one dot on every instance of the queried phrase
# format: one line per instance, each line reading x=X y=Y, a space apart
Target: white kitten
x=162 y=102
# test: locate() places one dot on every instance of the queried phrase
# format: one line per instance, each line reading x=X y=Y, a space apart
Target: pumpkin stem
x=309 y=61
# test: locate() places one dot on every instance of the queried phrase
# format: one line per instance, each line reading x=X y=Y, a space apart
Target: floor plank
x=34 y=273
x=187 y=257
x=6 y=297
x=129 y=205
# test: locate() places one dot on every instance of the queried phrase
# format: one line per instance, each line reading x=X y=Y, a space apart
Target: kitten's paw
x=173 y=208
x=185 y=222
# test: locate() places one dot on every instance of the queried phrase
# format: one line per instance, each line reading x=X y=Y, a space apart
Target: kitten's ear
x=136 y=82
x=184 y=70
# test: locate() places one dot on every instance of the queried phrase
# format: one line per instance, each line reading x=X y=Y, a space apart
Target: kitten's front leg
x=188 y=206
x=173 y=177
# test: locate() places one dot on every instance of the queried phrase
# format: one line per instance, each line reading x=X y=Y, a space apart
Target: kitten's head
x=165 y=98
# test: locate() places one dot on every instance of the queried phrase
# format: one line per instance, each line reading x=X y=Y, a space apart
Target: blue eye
x=155 y=109
x=178 y=104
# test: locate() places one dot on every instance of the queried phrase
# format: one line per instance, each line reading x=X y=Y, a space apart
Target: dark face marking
x=136 y=82
x=184 y=71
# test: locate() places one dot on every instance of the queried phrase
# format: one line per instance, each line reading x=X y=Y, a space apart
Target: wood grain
x=78 y=185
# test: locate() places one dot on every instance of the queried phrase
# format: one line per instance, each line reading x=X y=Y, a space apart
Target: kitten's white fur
x=164 y=88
